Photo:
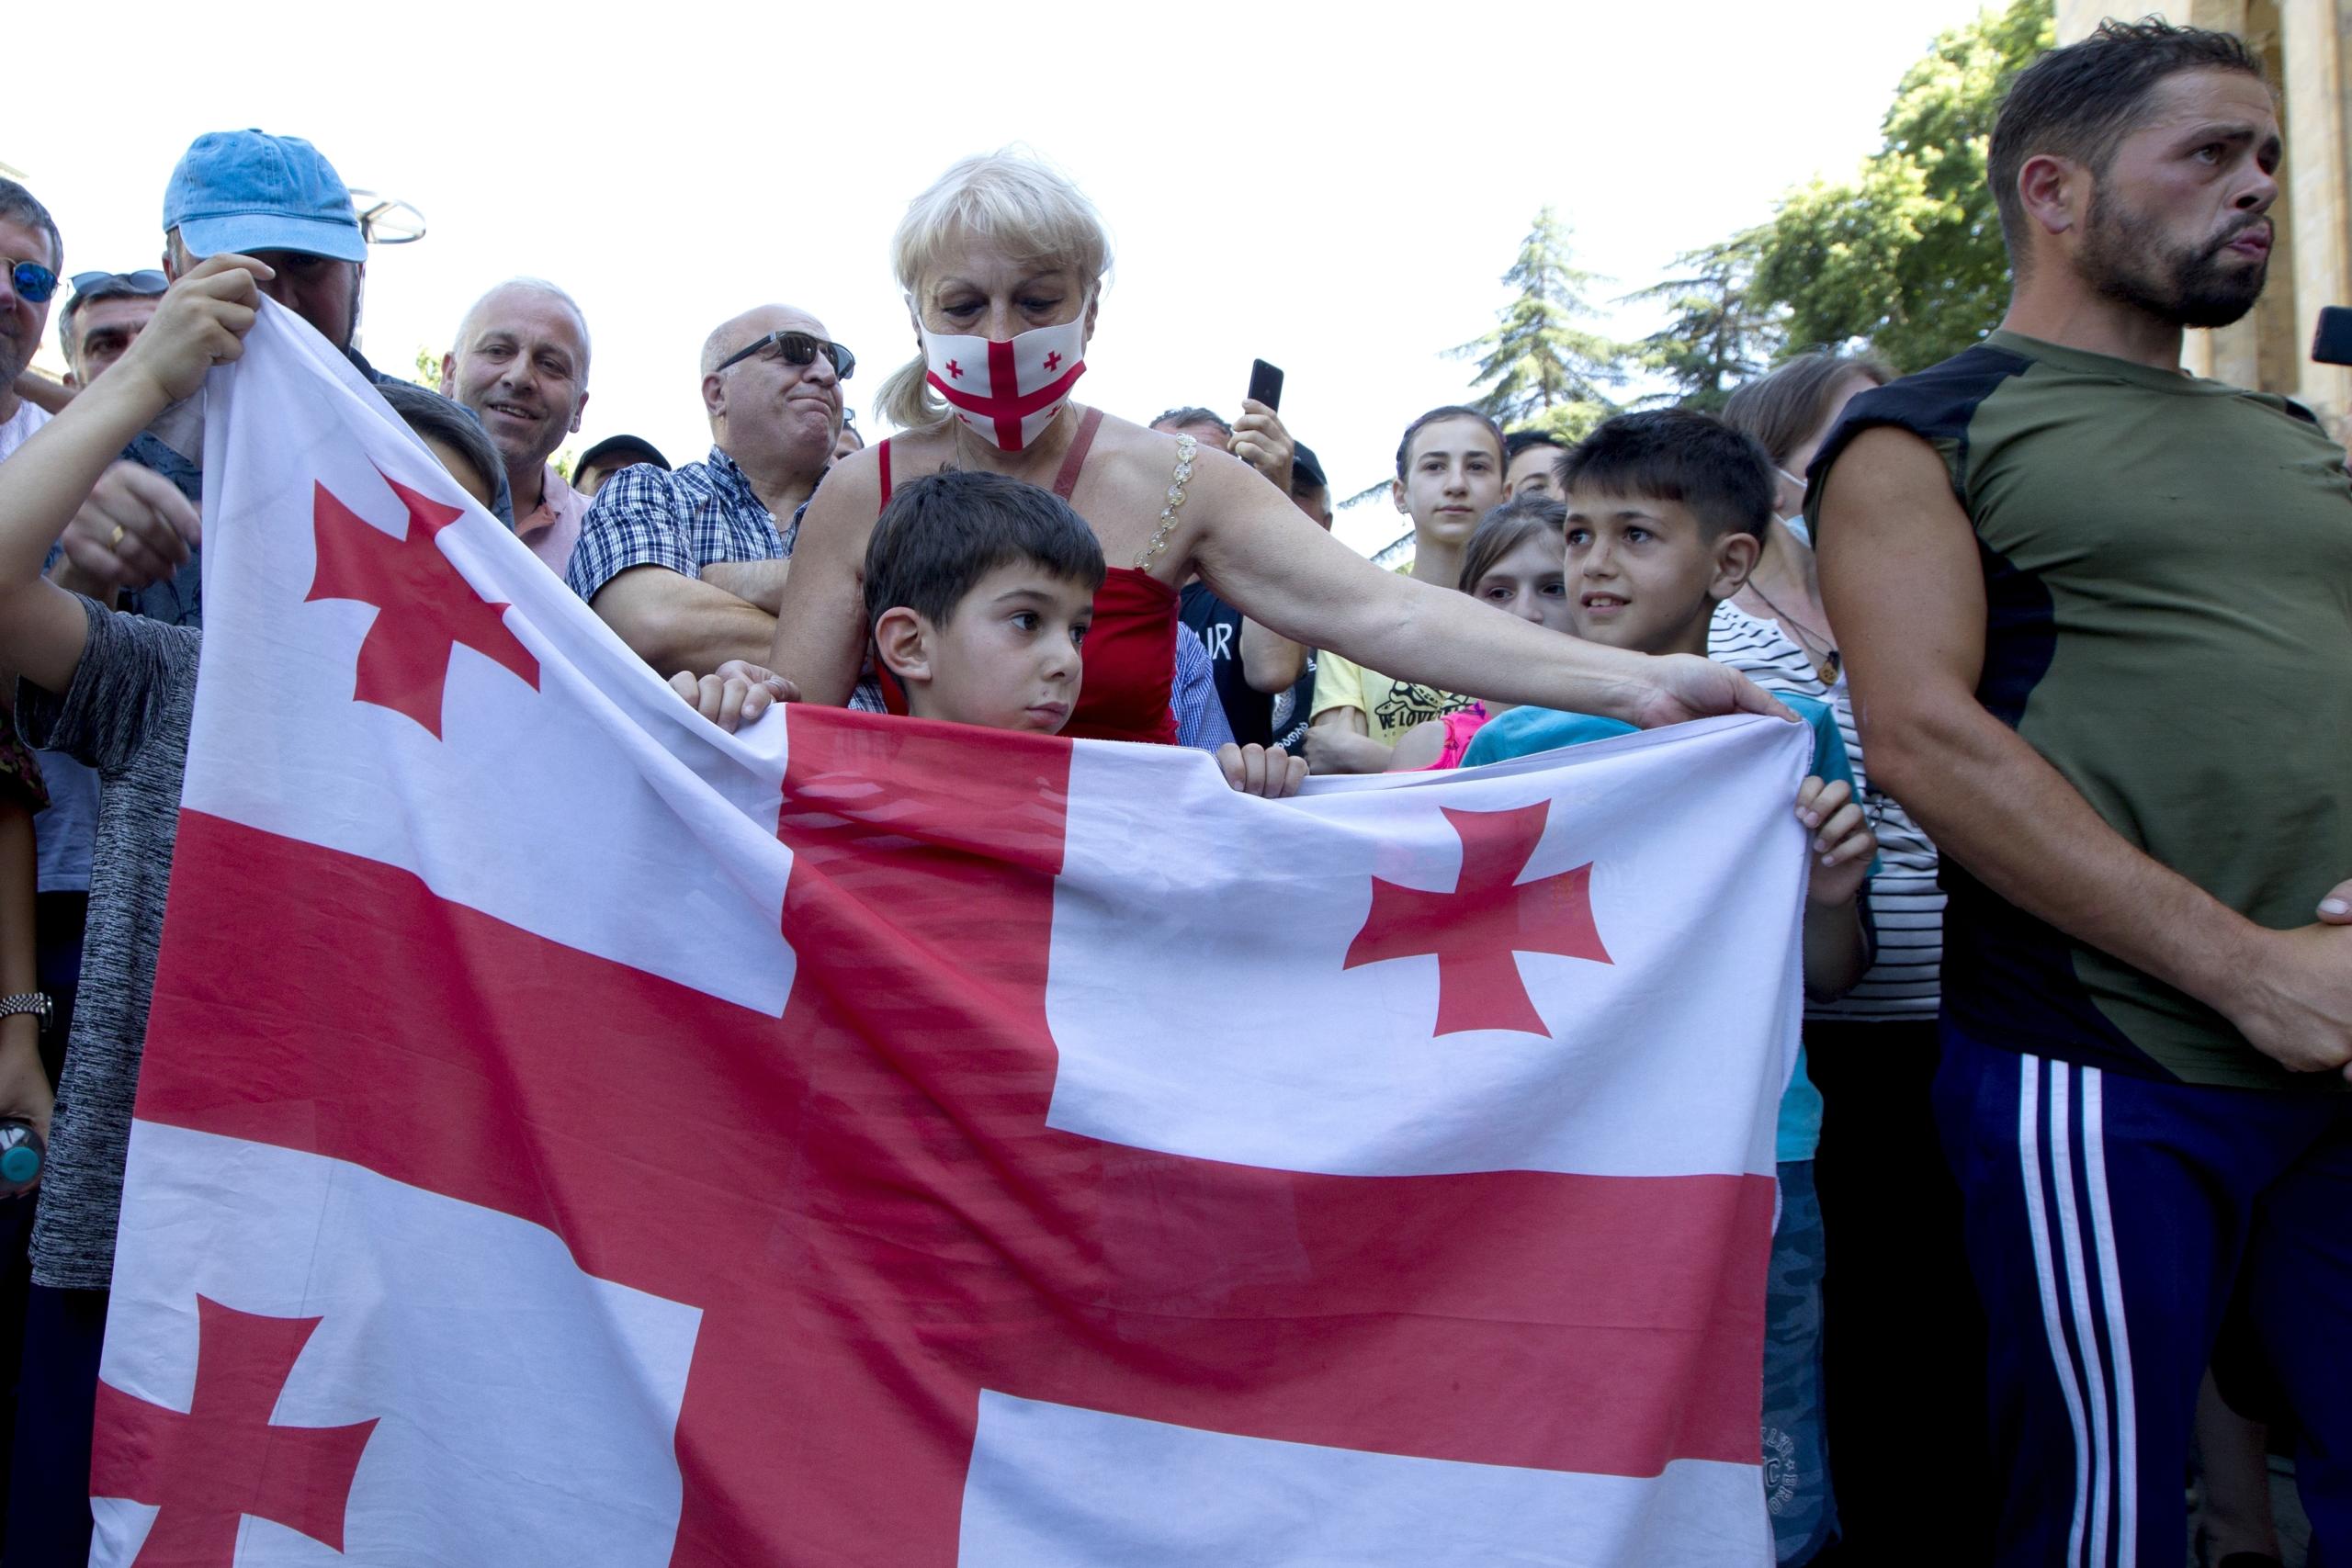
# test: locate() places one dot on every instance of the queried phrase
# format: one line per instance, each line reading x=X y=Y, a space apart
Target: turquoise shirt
x=1522 y=732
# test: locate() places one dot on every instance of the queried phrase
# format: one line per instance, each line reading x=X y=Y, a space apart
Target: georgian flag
x=571 y=1135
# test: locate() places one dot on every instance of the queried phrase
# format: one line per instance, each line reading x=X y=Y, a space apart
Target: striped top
x=1906 y=904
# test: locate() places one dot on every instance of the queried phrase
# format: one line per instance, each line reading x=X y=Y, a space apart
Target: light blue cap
x=247 y=191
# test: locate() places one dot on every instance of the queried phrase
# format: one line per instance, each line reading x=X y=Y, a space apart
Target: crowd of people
x=2063 y=1159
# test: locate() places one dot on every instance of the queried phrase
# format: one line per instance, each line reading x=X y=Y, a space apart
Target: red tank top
x=1129 y=659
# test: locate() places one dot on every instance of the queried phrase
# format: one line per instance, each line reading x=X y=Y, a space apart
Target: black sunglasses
x=32 y=281
x=797 y=348
x=110 y=285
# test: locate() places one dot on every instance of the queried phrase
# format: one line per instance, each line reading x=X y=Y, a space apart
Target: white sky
x=1337 y=188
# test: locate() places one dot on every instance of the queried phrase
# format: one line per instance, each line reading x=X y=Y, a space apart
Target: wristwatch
x=34 y=1002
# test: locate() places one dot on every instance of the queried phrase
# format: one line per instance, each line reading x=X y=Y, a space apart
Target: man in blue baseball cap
x=275 y=198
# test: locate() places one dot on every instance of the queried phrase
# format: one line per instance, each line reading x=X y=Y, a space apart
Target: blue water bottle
x=20 y=1157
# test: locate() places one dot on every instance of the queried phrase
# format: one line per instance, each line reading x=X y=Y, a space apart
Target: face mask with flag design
x=1007 y=391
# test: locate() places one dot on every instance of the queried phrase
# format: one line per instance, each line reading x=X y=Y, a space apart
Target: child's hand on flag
x=1842 y=841
x=1256 y=769
x=736 y=694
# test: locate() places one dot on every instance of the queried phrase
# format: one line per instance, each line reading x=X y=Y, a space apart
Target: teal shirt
x=1522 y=732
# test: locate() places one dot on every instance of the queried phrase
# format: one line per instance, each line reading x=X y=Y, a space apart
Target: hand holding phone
x=1259 y=439
x=1266 y=383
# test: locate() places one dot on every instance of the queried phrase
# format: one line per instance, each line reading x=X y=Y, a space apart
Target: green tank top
x=2168 y=569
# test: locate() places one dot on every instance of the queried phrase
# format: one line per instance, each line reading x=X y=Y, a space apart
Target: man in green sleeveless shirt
x=2099 y=617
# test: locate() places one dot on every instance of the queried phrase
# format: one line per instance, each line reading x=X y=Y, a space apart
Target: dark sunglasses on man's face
x=33 y=282
x=797 y=348
x=147 y=280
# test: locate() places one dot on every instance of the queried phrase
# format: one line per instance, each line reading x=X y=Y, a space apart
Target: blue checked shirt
x=683 y=521
x=1200 y=717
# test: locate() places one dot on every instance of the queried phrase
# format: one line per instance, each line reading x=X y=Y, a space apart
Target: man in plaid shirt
x=688 y=567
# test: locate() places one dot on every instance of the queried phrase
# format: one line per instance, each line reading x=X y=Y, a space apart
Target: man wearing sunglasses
x=30 y=253
x=688 y=566
x=106 y=312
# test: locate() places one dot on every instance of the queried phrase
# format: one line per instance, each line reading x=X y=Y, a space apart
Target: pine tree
x=1539 y=367
x=1717 y=334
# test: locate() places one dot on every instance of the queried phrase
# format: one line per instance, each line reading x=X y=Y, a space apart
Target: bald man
x=688 y=567
x=521 y=364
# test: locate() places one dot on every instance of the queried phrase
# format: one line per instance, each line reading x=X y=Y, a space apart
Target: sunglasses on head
x=32 y=281
x=797 y=348
x=110 y=285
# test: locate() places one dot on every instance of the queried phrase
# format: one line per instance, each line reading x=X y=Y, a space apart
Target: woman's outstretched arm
x=1265 y=557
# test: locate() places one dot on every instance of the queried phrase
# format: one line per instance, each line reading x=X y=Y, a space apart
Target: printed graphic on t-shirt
x=1408 y=702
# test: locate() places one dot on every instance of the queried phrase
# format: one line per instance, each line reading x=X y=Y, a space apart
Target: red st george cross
x=1477 y=930
x=1005 y=405
x=223 y=1458
x=426 y=608
x=864 y=1198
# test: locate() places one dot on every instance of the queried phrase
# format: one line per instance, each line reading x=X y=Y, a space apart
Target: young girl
x=1449 y=473
x=1514 y=561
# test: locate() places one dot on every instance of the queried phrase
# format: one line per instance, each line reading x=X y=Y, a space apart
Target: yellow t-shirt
x=1389 y=708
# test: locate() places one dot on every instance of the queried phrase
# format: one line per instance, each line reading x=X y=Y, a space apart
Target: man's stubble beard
x=2127 y=259
x=14 y=354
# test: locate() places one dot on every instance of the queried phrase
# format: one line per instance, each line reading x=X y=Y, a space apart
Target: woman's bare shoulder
x=854 y=482
x=1141 y=455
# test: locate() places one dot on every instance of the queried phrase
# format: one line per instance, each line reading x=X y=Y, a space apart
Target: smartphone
x=1266 y=382
x=2332 y=345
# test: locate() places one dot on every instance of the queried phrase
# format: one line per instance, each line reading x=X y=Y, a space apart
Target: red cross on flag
x=571 y=1135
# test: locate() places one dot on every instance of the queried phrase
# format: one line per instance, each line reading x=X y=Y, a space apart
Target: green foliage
x=1539 y=367
x=1570 y=422
x=1717 y=334
x=1908 y=254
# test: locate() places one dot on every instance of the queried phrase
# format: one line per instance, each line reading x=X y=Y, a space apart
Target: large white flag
x=568 y=1135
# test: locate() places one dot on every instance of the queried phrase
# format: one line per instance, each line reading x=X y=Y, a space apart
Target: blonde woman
x=1002 y=263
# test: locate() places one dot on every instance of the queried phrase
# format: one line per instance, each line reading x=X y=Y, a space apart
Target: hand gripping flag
x=571 y=1135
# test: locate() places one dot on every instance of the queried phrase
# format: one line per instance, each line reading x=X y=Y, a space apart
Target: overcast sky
x=1332 y=190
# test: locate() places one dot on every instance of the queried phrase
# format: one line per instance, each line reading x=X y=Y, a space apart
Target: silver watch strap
x=34 y=1002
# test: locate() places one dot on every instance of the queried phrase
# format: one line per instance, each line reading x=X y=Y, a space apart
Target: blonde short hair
x=1011 y=198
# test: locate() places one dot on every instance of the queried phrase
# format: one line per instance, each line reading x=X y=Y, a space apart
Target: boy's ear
x=902 y=642
x=1735 y=555
x=1396 y=494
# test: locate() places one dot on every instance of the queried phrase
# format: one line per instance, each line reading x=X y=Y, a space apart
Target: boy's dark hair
x=1519 y=440
x=1676 y=454
x=1451 y=410
x=437 y=418
x=2081 y=101
x=1781 y=409
x=942 y=533
x=1506 y=528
